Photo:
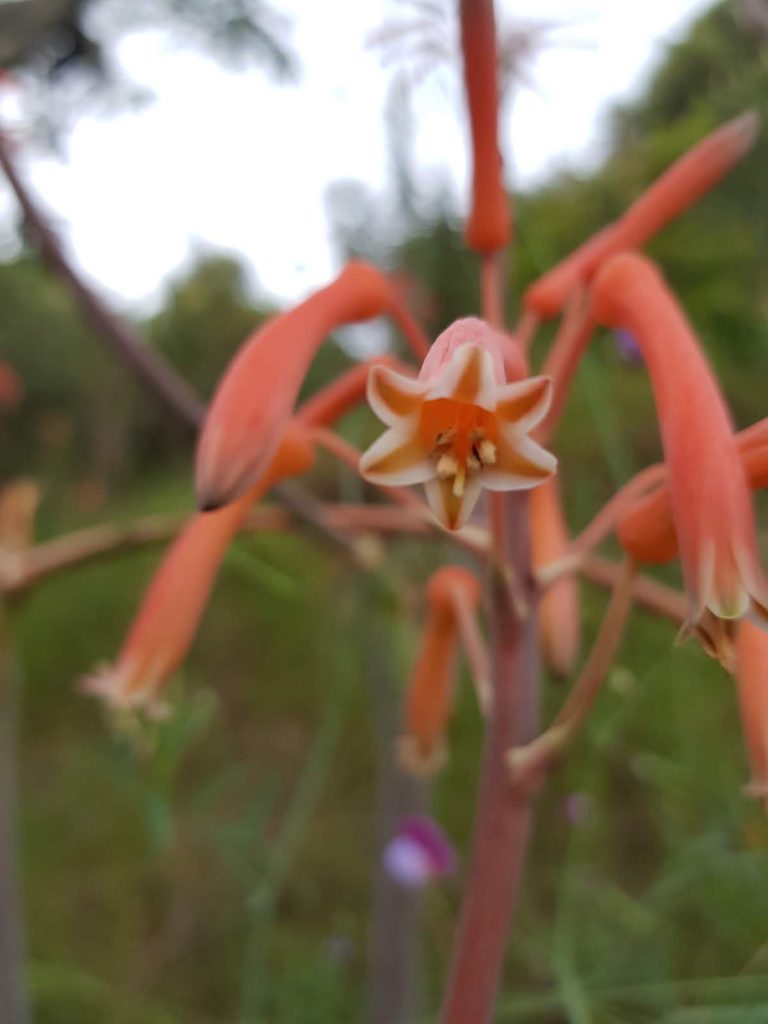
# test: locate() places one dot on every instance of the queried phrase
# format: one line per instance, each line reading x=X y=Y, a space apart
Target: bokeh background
x=219 y=866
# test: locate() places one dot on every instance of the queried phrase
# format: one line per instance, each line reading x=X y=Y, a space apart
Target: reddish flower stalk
x=683 y=184
x=173 y=605
x=529 y=764
x=489 y=226
x=257 y=393
x=503 y=816
x=708 y=488
x=573 y=335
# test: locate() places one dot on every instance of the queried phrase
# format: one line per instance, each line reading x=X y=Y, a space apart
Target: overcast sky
x=237 y=162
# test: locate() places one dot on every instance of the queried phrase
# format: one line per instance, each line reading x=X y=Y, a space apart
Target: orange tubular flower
x=559 y=612
x=167 y=620
x=257 y=393
x=681 y=185
x=459 y=426
x=752 y=686
x=490 y=225
x=431 y=688
x=709 y=494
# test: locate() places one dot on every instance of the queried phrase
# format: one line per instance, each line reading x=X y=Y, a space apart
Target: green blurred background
x=225 y=858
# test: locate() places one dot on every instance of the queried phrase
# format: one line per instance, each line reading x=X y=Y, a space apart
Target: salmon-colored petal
x=392 y=396
x=396 y=459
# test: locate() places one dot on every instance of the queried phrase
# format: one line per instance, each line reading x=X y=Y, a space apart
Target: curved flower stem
x=655 y=596
x=608 y=515
x=503 y=821
x=573 y=335
x=525 y=330
x=492 y=288
x=529 y=764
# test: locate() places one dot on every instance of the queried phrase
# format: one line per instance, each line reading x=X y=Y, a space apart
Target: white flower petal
x=396 y=459
x=451 y=511
x=393 y=396
x=519 y=466
x=524 y=404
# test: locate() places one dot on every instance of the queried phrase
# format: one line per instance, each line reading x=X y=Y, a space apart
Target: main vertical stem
x=503 y=821
x=14 y=1008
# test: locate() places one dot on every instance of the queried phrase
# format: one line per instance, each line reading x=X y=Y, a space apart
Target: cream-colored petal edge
x=411 y=467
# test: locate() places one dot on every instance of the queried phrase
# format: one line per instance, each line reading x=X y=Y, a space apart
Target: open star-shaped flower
x=460 y=426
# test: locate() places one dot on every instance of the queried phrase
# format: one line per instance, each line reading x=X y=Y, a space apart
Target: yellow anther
x=447 y=466
x=459 y=481
x=487 y=452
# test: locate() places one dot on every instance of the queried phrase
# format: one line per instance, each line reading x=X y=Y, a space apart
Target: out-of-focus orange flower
x=172 y=607
x=559 y=612
x=459 y=426
x=429 y=701
x=752 y=685
x=256 y=396
x=489 y=226
x=709 y=493
x=681 y=185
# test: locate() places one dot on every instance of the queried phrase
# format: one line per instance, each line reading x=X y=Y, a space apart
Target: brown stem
x=503 y=821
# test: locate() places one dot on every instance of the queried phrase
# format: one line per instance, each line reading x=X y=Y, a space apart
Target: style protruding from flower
x=453 y=594
x=419 y=853
x=708 y=488
x=459 y=426
x=256 y=396
x=165 y=625
x=684 y=183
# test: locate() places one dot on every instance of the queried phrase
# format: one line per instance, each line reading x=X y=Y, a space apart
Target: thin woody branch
x=153 y=371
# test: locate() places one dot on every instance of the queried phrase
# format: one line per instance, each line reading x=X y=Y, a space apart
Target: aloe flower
x=258 y=391
x=708 y=487
x=453 y=595
x=459 y=426
x=167 y=620
x=690 y=177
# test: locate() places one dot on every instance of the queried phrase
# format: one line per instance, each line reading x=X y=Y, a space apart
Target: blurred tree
x=59 y=50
